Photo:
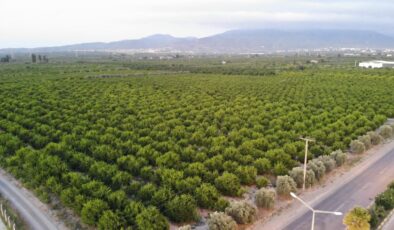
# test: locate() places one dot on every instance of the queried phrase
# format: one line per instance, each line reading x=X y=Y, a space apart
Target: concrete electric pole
x=307 y=140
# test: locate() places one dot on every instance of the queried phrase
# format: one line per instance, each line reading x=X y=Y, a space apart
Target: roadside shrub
x=386 y=131
x=318 y=168
x=391 y=185
x=384 y=203
x=357 y=219
x=339 y=157
x=262 y=182
x=378 y=214
x=228 y=184
x=375 y=138
x=386 y=199
x=357 y=146
x=366 y=140
x=221 y=221
x=242 y=212
x=285 y=185
x=265 y=198
x=297 y=174
x=328 y=162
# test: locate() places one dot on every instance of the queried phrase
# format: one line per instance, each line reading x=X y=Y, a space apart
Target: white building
x=376 y=64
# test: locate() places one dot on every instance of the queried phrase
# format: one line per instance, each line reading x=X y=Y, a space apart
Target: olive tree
x=185 y=227
x=242 y=212
x=366 y=140
x=375 y=138
x=386 y=131
x=357 y=146
x=339 y=157
x=221 y=221
x=392 y=128
x=297 y=174
x=285 y=185
x=265 y=198
x=328 y=162
x=317 y=167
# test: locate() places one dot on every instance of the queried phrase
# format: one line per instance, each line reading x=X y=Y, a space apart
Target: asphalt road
x=359 y=191
x=34 y=217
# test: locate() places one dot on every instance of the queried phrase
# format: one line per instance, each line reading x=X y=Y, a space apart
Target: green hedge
x=384 y=204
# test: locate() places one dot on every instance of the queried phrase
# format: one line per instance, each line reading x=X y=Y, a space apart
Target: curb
x=380 y=227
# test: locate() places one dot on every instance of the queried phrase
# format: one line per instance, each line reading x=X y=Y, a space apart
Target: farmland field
x=132 y=147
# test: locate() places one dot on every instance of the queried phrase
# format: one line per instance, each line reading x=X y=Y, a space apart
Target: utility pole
x=307 y=140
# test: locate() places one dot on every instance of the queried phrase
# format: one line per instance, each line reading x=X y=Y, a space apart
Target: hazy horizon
x=48 y=23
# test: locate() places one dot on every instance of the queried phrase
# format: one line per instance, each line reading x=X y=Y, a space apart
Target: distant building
x=376 y=64
x=313 y=61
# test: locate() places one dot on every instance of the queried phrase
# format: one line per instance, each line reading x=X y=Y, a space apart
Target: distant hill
x=271 y=40
x=238 y=41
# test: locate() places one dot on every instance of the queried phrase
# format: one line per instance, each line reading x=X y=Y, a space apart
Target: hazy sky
x=31 y=23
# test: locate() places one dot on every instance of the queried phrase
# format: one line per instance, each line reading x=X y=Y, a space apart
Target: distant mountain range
x=236 y=41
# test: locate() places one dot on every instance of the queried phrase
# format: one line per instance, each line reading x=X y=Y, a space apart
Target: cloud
x=44 y=22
